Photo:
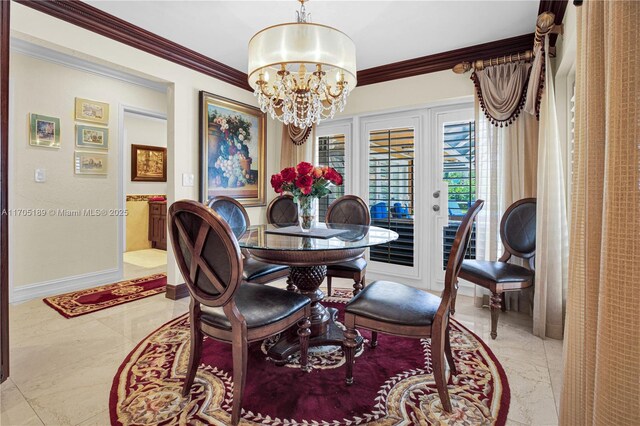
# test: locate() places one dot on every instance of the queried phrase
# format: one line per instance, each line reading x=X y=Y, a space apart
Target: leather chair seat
x=255 y=269
x=499 y=272
x=261 y=305
x=358 y=264
x=394 y=303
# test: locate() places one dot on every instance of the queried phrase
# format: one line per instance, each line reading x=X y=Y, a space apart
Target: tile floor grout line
x=28 y=402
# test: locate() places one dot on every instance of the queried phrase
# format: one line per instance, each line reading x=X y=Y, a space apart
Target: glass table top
x=356 y=236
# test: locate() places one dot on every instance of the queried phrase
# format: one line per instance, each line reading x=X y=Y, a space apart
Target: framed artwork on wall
x=44 y=131
x=148 y=163
x=90 y=163
x=89 y=137
x=92 y=111
x=232 y=150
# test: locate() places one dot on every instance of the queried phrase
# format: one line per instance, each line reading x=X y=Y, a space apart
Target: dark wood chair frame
x=498 y=290
x=266 y=278
x=239 y=336
x=439 y=329
x=358 y=277
x=272 y=204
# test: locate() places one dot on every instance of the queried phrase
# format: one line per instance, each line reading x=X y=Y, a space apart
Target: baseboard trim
x=175 y=292
x=64 y=285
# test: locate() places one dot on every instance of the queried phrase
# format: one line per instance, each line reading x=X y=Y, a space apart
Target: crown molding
x=93 y=19
x=444 y=60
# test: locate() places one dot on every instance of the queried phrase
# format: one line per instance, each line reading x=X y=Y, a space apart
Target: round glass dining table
x=308 y=256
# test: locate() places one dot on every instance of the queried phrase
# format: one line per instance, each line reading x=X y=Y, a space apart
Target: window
x=459 y=171
x=331 y=153
x=391 y=192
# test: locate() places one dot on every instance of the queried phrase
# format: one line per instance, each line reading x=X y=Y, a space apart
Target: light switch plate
x=40 y=175
x=187 y=179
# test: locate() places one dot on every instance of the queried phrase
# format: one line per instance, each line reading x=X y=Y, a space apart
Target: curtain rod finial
x=462 y=67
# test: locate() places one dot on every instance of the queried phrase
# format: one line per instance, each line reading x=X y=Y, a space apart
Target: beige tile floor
x=62 y=369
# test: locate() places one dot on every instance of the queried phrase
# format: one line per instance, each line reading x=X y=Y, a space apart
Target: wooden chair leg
x=290 y=285
x=495 y=305
x=328 y=285
x=358 y=284
x=448 y=353
x=503 y=301
x=349 y=345
x=303 y=334
x=239 y=353
x=195 y=348
x=374 y=339
x=439 y=371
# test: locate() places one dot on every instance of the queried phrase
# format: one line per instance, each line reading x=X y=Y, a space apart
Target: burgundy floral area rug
x=393 y=384
x=94 y=299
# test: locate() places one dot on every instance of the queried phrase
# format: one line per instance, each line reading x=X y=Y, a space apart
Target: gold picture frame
x=233 y=150
x=92 y=111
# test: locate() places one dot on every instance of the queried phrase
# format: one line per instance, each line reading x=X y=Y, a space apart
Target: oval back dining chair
x=348 y=209
x=236 y=216
x=518 y=235
x=282 y=211
x=222 y=306
x=402 y=310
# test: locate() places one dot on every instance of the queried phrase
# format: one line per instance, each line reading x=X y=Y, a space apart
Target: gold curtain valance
x=297 y=135
x=502 y=91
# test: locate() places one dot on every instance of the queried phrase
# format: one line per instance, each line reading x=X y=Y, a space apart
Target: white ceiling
x=383 y=31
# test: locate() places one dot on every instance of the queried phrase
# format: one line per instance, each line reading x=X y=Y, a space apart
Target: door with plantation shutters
x=332 y=141
x=392 y=185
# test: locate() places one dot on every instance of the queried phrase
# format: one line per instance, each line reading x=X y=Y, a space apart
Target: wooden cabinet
x=158 y=224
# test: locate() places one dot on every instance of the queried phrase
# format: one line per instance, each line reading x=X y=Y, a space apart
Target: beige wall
x=54 y=247
x=409 y=92
x=182 y=113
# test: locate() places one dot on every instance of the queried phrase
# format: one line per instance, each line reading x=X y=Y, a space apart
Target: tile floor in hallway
x=62 y=369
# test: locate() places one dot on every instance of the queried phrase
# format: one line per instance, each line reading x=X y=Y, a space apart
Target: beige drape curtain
x=602 y=335
x=552 y=248
x=291 y=154
x=506 y=151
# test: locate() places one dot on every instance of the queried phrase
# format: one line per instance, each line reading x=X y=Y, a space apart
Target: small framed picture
x=92 y=111
x=44 y=131
x=148 y=163
x=89 y=137
x=90 y=163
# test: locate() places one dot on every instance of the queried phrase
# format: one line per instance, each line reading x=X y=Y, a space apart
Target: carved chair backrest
x=233 y=212
x=282 y=211
x=518 y=231
x=207 y=252
x=349 y=209
x=459 y=248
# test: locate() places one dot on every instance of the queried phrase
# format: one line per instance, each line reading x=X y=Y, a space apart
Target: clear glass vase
x=306 y=213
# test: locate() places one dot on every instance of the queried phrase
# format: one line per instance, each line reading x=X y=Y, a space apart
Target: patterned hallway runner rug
x=393 y=385
x=94 y=299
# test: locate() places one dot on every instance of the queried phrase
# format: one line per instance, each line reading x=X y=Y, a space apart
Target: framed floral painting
x=232 y=150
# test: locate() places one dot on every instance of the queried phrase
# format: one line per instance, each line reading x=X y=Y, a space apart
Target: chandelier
x=302 y=72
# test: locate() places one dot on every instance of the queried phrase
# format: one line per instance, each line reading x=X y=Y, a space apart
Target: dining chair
x=222 y=306
x=518 y=235
x=254 y=271
x=401 y=310
x=282 y=211
x=348 y=209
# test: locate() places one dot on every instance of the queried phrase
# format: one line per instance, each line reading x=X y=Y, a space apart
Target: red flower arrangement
x=306 y=180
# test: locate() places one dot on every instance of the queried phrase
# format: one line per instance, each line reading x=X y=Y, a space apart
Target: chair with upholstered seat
x=349 y=209
x=255 y=271
x=401 y=310
x=282 y=211
x=518 y=235
x=223 y=306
